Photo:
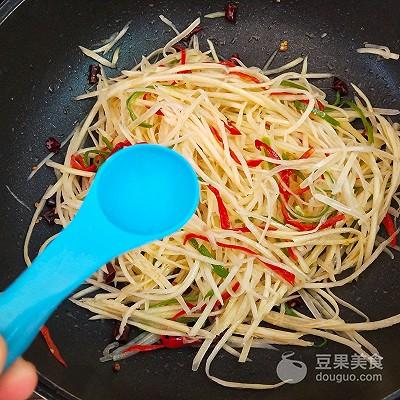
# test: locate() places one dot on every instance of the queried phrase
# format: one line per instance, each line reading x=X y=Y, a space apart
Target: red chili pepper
x=228 y=63
x=220 y=244
x=270 y=151
x=143 y=347
x=285 y=175
x=78 y=163
x=176 y=342
x=245 y=229
x=226 y=295
x=301 y=191
x=158 y=112
x=219 y=138
x=234 y=156
x=182 y=312
x=194 y=236
x=120 y=145
x=254 y=163
x=292 y=254
x=320 y=105
x=244 y=76
x=388 y=223
x=183 y=53
x=216 y=134
x=44 y=330
x=286 y=275
x=232 y=128
x=282 y=94
x=331 y=221
x=307 y=154
x=295 y=223
x=223 y=212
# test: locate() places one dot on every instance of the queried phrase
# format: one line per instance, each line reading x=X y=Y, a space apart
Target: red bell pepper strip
x=250 y=163
x=194 y=236
x=120 y=145
x=307 y=154
x=320 y=105
x=44 y=330
x=283 y=273
x=143 y=347
x=216 y=134
x=269 y=150
x=226 y=295
x=295 y=223
x=254 y=163
x=282 y=94
x=292 y=254
x=288 y=276
x=331 y=221
x=232 y=128
x=176 y=342
x=273 y=154
x=78 y=163
x=244 y=76
x=388 y=223
x=245 y=229
x=223 y=212
x=158 y=112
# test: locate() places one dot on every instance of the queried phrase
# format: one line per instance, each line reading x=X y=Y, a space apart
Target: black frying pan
x=41 y=70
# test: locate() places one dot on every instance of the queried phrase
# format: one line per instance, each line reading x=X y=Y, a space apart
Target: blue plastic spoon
x=140 y=194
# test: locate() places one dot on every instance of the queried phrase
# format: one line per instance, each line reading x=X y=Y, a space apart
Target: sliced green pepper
x=218 y=269
x=129 y=101
x=366 y=123
x=322 y=114
x=290 y=311
x=291 y=84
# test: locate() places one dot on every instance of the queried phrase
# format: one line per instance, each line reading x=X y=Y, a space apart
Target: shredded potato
x=340 y=187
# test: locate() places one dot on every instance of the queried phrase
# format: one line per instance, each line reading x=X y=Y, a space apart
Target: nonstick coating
x=41 y=70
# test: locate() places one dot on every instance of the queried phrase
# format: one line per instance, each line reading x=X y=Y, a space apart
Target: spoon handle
x=29 y=301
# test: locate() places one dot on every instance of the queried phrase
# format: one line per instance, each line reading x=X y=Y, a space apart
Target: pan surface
x=41 y=70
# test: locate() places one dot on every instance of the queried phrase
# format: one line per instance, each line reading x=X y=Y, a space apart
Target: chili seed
x=52 y=144
x=116 y=367
x=283 y=45
x=340 y=86
x=94 y=70
x=231 y=12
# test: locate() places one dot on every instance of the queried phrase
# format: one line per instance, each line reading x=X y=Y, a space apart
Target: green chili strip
x=107 y=143
x=319 y=113
x=210 y=293
x=290 y=311
x=189 y=298
x=292 y=85
x=186 y=320
x=329 y=175
x=129 y=101
x=266 y=140
x=366 y=123
x=337 y=99
x=298 y=213
x=85 y=156
x=218 y=269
